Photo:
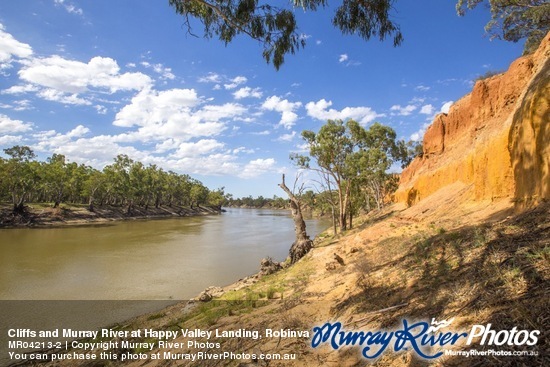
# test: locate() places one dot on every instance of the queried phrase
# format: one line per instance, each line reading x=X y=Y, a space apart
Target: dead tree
x=303 y=244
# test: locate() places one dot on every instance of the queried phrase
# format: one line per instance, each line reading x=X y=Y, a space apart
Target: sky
x=94 y=79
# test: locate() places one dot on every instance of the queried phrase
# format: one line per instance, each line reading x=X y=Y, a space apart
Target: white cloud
x=7 y=140
x=57 y=96
x=246 y=92
x=235 y=82
x=96 y=151
x=52 y=141
x=265 y=132
x=78 y=132
x=196 y=149
x=257 y=167
x=220 y=112
x=164 y=72
x=283 y=106
x=175 y=113
x=150 y=106
x=69 y=7
x=344 y=58
x=446 y=106
x=166 y=145
x=320 y=111
x=8 y=126
x=403 y=111
x=287 y=137
x=22 y=105
x=21 y=89
x=422 y=88
x=10 y=47
x=102 y=110
x=417 y=100
x=211 y=78
x=243 y=150
x=69 y=76
x=427 y=109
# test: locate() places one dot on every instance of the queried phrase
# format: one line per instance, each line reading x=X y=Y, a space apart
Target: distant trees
x=258 y=202
x=125 y=182
x=514 y=20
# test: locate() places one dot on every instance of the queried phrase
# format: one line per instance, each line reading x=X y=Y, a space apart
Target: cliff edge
x=494 y=141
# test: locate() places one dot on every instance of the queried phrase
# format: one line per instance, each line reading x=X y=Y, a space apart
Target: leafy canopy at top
x=514 y=20
x=276 y=29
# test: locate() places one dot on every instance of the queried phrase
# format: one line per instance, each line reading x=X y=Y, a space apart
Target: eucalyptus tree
x=118 y=180
x=94 y=186
x=78 y=175
x=159 y=184
x=330 y=148
x=20 y=173
x=56 y=178
x=513 y=20
x=136 y=191
x=198 y=193
x=274 y=25
x=353 y=160
x=377 y=150
x=217 y=198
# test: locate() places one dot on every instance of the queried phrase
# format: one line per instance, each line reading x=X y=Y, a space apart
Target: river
x=142 y=260
x=86 y=277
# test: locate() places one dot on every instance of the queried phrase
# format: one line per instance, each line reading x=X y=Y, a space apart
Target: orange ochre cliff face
x=495 y=140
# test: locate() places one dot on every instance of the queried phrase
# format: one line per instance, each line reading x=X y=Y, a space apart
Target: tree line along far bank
x=124 y=183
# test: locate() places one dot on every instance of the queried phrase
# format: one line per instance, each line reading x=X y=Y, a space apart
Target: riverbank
x=475 y=264
x=44 y=215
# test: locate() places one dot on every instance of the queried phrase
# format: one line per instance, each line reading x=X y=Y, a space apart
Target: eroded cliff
x=495 y=140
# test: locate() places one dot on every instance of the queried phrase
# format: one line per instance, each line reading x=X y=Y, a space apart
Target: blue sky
x=93 y=79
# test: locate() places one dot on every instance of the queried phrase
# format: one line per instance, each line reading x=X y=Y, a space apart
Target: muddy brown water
x=142 y=260
x=91 y=277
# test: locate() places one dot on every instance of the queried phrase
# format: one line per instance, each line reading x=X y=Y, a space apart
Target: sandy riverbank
x=44 y=215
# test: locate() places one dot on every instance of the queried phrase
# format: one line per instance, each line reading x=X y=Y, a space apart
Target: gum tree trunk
x=303 y=244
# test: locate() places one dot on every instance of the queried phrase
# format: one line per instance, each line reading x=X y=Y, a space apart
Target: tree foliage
x=276 y=28
x=513 y=20
x=125 y=182
x=355 y=162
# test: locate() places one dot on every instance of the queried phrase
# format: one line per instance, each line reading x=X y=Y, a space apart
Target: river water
x=87 y=277
x=142 y=260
